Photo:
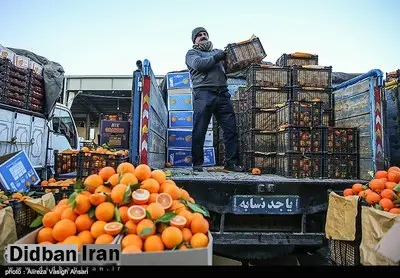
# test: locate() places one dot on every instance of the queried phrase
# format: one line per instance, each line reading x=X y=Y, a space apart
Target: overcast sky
x=96 y=37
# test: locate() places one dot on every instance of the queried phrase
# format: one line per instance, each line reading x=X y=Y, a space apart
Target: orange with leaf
x=146 y=209
x=382 y=191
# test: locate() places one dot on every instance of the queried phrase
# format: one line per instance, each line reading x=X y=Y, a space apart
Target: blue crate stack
x=180 y=123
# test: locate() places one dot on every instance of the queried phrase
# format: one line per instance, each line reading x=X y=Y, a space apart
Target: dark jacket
x=204 y=71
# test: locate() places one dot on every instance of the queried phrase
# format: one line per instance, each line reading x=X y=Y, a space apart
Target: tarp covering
x=53 y=74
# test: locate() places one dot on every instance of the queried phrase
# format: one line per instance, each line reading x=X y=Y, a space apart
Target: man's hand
x=220 y=56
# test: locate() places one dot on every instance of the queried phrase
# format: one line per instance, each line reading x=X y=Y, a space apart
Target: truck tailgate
x=261 y=210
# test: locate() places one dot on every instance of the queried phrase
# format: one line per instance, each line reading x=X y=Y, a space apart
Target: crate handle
x=313 y=67
x=301 y=55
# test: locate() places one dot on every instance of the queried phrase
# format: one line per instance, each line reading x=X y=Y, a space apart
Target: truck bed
x=218 y=174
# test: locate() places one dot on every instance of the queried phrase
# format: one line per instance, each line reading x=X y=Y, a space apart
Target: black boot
x=197 y=168
x=234 y=168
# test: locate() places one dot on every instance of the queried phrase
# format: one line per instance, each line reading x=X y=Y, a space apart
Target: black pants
x=206 y=104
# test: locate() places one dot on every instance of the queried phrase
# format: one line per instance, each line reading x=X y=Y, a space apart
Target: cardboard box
x=17 y=172
x=7 y=53
x=178 y=80
x=195 y=256
x=37 y=68
x=21 y=62
x=183 y=102
x=183 y=157
x=182 y=138
x=183 y=119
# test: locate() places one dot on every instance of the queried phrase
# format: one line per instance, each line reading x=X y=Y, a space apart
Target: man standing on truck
x=211 y=97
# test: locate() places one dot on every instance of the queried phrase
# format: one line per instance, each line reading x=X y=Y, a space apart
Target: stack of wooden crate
x=267 y=88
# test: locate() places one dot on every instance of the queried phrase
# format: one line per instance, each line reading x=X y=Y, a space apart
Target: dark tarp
x=53 y=74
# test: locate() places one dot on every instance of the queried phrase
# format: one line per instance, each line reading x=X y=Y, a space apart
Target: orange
x=97 y=198
x=63 y=229
x=199 y=240
x=125 y=167
x=171 y=237
x=185 y=194
x=148 y=225
x=140 y=196
x=45 y=234
x=188 y=215
x=165 y=200
x=394 y=176
x=178 y=221
x=136 y=213
x=395 y=210
x=348 y=192
x=92 y=182
x=357 y=188
x=132 y=239
x=106 y=172
x=104 y=211
x=177 y=206
x=199 y=225
x=372 y=198
x=156 y=210
x=104 y=239
x=151 y=185
x=73 y=240
x=113 y=180
x=118 y=193
x=129 y=179
x=113 y=228
x=123 y=213
x=82 y=204
x=69 y=213
x=142 y=172
x=388 y=193
x=187 y=234
x=381 y=174
x=46 y=242
x=153 y=244
x=131 y=227
x=377 y=185
x=153 y=198
x=255 y=171
x=159 y=176
x=102 y=189
x=390 y=185
x=173 y=190
x=386 y=204
x=86 y=237
x=50 y=219
x=131 y=249
x=83 y=222
x=97 y=228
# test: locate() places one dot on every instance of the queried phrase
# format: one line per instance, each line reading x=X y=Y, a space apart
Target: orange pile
x=382 y=192
x=150 y=211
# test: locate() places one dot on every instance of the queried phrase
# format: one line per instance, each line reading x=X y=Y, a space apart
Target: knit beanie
x=196 y=31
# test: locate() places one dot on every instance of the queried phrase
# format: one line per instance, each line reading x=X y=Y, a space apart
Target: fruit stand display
x=360 y=216
x=142 y=207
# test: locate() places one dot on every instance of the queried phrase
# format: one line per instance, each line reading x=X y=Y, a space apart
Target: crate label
x=182 y=138
x=183 y=119
x=178 y=80
x=180 y=102
x=183 y=157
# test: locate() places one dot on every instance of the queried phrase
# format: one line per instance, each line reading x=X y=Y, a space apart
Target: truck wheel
x=253 y=252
